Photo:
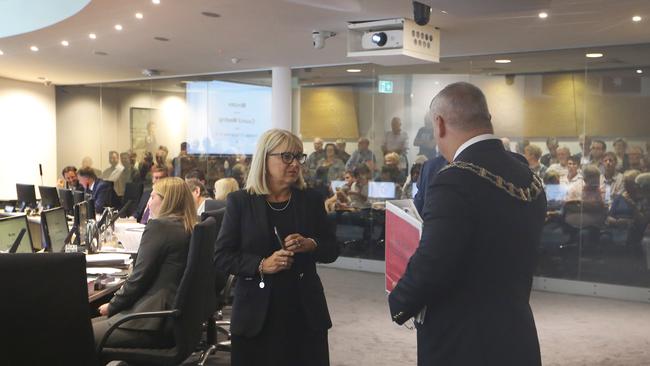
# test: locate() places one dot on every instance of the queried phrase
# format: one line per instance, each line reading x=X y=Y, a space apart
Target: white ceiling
x=266 y=33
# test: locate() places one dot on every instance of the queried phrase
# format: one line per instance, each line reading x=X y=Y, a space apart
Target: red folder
x=403 y=231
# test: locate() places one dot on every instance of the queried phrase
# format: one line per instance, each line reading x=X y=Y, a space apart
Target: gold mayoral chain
x=527 y=194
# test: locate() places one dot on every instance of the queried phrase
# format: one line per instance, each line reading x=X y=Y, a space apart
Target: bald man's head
x=463 y=106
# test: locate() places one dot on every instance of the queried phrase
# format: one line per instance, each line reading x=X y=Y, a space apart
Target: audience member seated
x=113 y=172
x=635 y=158
x=407 y=189
x=533 y=154
x=625 y=206
x=550 y=158
x=314 y=158
x=184 y=162
x=143 y=214
x=506 y=143
x=362 y=156
x=340 y=149
x=588 y=188
x=102 y=192
x=596 y=154
x=573 y=172
x=239 y=173
x=198 y=174
x=585 y=145
x=329 y=168
x=391 y=172
x=339 y=199
x=358 y=193
x=70 y=179
x=199 y=194
x=157 y=272
x=222 y=188
x=611 y=181
x=620 y=148
x=563 y=155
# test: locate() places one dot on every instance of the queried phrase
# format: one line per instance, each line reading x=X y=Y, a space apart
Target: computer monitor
x=383 y=190
x=55 y=228
x=555 y=192
x=414 y=189
x=26 y=196
x=10 y=230
x=67 y=200
x=49 y=197
x=336 y=184
x=81 y=211
x=79 y=196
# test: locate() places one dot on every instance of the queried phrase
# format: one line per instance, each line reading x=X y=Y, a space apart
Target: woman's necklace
x=279 y=209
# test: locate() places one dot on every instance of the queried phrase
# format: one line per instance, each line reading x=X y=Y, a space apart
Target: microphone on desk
x=40 y=170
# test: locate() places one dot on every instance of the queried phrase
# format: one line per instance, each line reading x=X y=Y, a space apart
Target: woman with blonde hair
x=224 y=186
x=273 y=233
x=157 y=272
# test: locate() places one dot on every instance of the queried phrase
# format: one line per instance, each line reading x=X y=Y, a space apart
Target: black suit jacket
x=474 y=266
x=157 y=272
x=104 y=195
x=245 y=238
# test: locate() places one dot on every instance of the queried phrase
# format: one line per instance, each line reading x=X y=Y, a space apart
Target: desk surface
x=96 y=295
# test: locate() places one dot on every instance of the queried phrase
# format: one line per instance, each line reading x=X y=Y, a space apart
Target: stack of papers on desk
x=119 y=260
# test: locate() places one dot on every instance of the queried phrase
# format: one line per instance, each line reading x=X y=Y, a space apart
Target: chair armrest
x=149 y=314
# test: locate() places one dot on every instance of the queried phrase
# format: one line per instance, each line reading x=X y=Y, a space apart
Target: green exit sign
x=386 y=86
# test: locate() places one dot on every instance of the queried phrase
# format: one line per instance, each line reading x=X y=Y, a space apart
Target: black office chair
x=133 y=193
x=223 y=290
x=44 y=314
x=195 y=302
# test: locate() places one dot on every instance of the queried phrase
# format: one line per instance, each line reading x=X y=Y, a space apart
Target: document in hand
x=403 y=231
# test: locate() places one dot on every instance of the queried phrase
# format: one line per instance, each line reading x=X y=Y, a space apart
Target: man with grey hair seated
x=468 y=283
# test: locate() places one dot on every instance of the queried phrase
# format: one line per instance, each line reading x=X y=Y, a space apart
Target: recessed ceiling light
x=594 y=55
x=65 y=43
x=543 y=15
x=444 y=11
x=353 y=70
x=34 y=48
x=639 y=71
x=637 y=18
x=92 y=36
x=210 y=14
x=1 y=53
x=100 y=53
x=118 y=27
x=155 y=1
x=503 y=61
x=161 y=39
x=139 y=15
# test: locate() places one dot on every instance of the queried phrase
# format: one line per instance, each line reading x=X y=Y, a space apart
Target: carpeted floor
x=573 y=330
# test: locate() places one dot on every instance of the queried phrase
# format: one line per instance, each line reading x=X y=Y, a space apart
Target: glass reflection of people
x=588 y=188
x=391 y=171
x=157 y=272
x=358 y=193
x=340 y=149
x=87 y=162
x=407 y=189
x=611 y=181
x=145 y=167
x=162 y=160
x=635 y=157
x=279 y=313
x=339 y=199
x=424 y=139
x=550 y=158
x=396 y=141
x=312 y=161
x=620 y=148
x=533 y=154
x=362 y=156
x=329 y=168
x=150 y=142
x=573 y=172
x=114 y=172
x=563 y=155
x=631 y=210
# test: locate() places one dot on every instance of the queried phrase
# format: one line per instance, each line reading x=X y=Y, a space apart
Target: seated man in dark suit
x=102 y=192
x=468 y=283
x=142 y=213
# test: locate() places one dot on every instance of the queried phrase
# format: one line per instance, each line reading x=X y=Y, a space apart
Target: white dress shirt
x=473 y=140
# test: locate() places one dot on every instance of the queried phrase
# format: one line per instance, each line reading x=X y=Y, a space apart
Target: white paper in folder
x=119 y=259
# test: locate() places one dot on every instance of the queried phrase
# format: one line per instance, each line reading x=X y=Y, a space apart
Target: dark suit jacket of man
x=104 y=195
x=157 y=272
x=474 y=266
x=245 y=238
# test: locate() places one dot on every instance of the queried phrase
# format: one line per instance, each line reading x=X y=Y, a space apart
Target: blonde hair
x=256 y=183
x=177 y=201
x=224 y=186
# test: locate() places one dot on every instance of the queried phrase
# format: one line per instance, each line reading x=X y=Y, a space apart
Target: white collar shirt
x=474 y=140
